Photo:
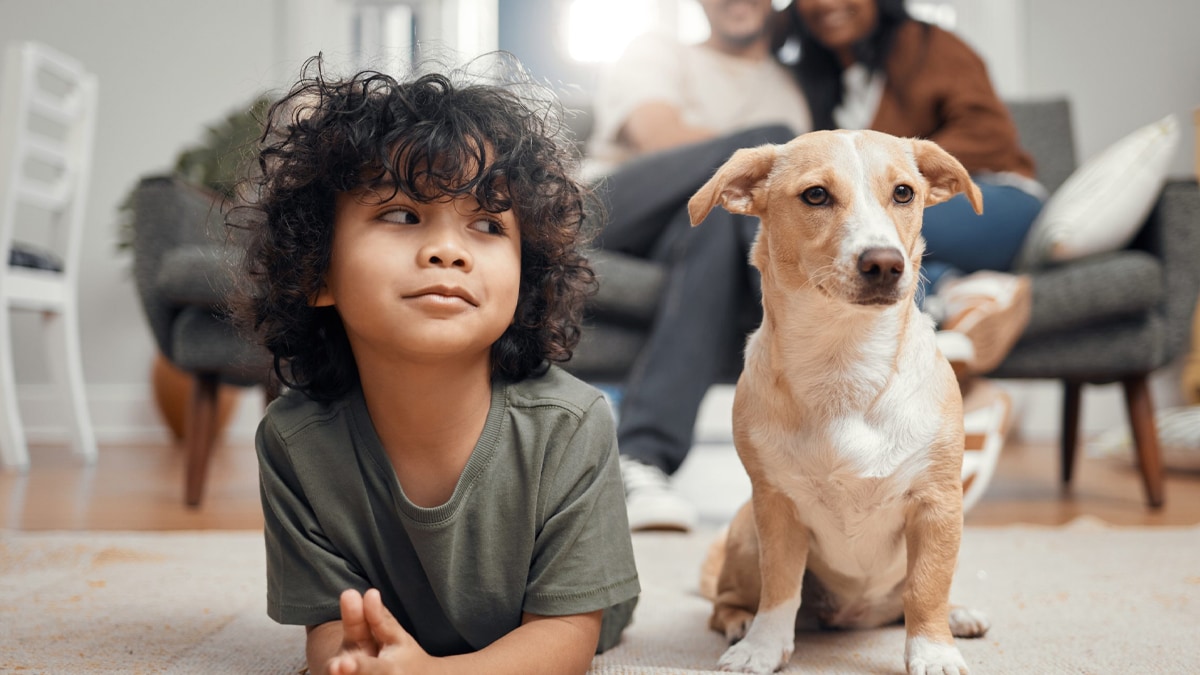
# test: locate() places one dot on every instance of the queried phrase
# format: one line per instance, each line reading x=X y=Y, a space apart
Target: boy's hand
x=374 y=642
x=356 y=634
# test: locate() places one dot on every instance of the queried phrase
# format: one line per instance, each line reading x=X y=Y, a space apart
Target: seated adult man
x=667 y=115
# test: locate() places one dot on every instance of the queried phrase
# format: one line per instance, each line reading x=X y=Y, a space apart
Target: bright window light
x=693 y=25
x=599 y=30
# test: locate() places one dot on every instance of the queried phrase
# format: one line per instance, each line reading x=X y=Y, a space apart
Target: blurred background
x=168 y=69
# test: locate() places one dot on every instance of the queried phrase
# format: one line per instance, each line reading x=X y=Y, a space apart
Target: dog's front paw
x=968 y=623
x=749 y=657
x=923 y=656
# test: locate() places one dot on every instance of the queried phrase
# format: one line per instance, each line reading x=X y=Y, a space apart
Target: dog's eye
x=903 y=194
x=815 y=196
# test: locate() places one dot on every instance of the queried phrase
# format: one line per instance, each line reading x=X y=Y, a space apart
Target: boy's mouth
x=446 y=292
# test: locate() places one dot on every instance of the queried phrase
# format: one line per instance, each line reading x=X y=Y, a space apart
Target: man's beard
x=743 y=41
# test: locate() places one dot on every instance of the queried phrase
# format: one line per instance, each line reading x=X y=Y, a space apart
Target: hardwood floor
x=140 y=487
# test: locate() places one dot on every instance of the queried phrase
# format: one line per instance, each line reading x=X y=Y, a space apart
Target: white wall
x=168 y=67
x=1122 y=64
x=165 y=70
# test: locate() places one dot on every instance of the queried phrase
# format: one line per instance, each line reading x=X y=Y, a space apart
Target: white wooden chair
x=47 y=117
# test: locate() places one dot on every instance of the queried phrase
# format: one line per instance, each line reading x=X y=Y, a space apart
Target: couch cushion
x=1104 y=203
x=630 y=287
x=1094 y=290
x=1045 y=130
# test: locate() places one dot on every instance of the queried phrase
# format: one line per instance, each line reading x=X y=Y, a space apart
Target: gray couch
x=1115 y=317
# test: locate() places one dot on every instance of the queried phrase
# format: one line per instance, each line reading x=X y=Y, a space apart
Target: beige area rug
x=1080 y=599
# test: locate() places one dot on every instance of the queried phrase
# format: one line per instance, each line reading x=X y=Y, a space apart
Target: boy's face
x=419 y=281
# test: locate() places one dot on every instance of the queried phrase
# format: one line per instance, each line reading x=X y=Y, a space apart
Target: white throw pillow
x=1104 y=203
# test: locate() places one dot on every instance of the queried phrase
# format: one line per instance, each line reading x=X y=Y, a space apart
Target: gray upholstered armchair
x=183 y=276
x=1115 y=317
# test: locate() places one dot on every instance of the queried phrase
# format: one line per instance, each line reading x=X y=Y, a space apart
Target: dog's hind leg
x=738 y=584
x=783 y=553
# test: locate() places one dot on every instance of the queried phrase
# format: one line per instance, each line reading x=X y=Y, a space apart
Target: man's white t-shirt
x=714 y=90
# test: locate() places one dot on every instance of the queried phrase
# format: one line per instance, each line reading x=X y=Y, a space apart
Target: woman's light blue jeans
x=957 y=241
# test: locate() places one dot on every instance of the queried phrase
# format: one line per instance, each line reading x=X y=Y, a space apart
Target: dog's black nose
x=881 y=266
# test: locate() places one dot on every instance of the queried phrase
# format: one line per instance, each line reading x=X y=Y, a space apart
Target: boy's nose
x=447 y=261
x=445 y=252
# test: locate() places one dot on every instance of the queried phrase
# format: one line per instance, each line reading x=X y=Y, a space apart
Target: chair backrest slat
x=47 y=196
x=47 y=119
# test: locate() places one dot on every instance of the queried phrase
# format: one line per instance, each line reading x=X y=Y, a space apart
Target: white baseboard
x=122 y=413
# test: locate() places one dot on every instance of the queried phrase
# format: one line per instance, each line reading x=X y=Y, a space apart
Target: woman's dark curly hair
x=501 y=141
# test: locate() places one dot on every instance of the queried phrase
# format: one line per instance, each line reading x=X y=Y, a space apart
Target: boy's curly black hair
x=500 y=141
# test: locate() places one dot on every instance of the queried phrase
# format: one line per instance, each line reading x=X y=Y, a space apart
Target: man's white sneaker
x=651 y=502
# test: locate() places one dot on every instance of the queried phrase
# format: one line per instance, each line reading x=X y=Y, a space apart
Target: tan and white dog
x=847 y=417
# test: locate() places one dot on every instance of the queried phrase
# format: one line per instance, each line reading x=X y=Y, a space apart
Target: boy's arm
x=541 y=644
x=322 y=644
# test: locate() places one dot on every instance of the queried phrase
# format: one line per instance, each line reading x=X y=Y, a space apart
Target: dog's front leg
x=783 y=552
x=933 y=532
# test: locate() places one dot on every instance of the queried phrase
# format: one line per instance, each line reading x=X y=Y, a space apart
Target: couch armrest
x=196 y=275
x=1172 y=233
x=1094 y=289
x=629 y=287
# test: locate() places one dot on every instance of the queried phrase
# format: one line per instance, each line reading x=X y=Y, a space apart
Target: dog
x=846 y=416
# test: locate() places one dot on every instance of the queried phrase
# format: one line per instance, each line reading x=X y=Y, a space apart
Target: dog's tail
x=714 y=560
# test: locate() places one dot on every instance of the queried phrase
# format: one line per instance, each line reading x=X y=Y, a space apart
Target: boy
x=437 y=496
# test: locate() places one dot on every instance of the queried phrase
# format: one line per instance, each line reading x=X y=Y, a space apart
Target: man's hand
x=373 y=641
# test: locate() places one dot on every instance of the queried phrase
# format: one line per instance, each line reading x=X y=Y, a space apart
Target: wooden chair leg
x=1072 y=395
x=1145 y=437
x=200 y=435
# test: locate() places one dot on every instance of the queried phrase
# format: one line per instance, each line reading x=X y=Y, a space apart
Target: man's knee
x=762 y=135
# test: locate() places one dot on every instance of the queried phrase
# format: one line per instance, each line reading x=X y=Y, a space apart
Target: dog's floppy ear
x=945 y=174
x=733 y=184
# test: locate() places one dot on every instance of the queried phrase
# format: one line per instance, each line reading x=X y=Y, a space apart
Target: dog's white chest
x=850 y=477
x=877 y=449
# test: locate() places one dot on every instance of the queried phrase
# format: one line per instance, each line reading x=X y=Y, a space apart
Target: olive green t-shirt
x=536 y=522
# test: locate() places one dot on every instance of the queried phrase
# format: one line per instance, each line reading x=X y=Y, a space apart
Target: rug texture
x=1084 y=598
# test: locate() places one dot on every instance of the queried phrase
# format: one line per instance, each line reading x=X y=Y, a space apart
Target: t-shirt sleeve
x=649 y=70
x=305 y=572
x=583 y=554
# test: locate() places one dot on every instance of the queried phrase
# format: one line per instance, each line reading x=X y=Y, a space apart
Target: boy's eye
x=488 y=226
x=401 y=216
